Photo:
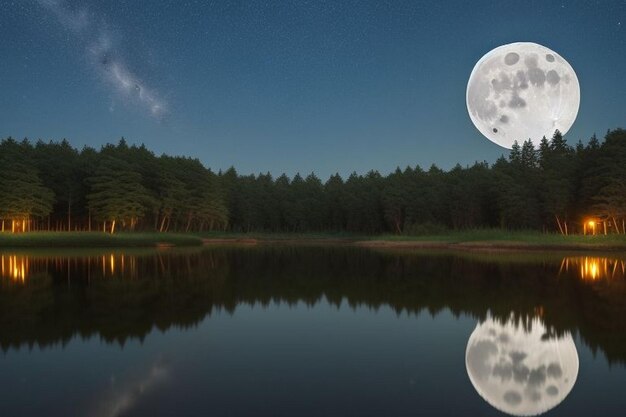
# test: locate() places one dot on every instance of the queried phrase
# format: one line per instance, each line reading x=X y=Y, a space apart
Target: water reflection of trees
x=14 y=267
x=119 y=296
x=594 y=267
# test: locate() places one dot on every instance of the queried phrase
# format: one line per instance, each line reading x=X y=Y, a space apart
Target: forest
x=554 y=188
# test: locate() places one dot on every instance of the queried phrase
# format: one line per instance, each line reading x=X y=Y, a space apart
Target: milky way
x=103 y=54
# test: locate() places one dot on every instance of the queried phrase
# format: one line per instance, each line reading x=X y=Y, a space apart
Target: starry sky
x=289 y=86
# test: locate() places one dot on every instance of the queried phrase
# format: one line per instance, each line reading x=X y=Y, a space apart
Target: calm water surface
x=311 y=331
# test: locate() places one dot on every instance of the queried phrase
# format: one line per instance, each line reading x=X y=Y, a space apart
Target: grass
x=523 y=236
x=95 y=239
x=467 y=239
x=284 y=236
x=472 y=235
x=480 y=237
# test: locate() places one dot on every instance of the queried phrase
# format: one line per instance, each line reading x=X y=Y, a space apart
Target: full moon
x=522 y=91
x=521 y=369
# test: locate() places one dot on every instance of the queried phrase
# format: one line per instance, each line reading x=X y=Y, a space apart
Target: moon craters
x=532 y=86
x=536 y=76
x=552 y=390
x=537 y=377
x=517 y=102
x=531 y=61
x=553 y=77
x=535 y=396
x=504 y=83
x=511 y=58
x=521 y=81
x=554 y=370
x=512 y=397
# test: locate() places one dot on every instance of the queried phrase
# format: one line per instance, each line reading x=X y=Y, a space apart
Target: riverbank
x=96 y=240
x=477 y=240
x=474 y=240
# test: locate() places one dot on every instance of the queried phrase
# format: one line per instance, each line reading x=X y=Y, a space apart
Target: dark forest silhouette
x=555 y=188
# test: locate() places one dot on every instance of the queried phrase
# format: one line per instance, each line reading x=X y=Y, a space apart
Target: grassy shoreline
x=471 y=240
x=485 y=240
x=96 y=240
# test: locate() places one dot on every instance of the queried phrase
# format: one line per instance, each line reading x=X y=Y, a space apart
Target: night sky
x=289 y=86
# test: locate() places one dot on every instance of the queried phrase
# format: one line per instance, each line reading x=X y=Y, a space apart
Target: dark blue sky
x=288 y=86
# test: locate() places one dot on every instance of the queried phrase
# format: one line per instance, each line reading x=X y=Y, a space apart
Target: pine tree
x=117 y=194
x=22 y=193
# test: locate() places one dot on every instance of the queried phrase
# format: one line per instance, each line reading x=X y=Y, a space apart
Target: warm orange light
x=595 y=268
x=592 y=268
x=589 y=227
x=112 y=264
x=15 y=268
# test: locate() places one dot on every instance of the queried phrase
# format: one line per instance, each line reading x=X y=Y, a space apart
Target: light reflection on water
x=342 y=304
x=14 y=267
x=17 y=268
x=118 y=265
x=592 y=268
x=518 y=367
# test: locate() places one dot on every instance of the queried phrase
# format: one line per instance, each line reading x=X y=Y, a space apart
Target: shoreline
x=477 y=241
x=477 y=246
x=492 y=246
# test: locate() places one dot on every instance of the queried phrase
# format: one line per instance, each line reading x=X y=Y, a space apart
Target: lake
x=311 y=331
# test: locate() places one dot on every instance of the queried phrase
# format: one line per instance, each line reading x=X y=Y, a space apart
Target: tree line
x=53 y=186
x=554 y=187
